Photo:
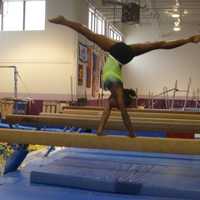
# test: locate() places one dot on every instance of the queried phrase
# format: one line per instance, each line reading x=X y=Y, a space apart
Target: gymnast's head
x=129 y=96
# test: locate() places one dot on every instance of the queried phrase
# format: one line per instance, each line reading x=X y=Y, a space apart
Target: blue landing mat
x=160 y=134
x=156 y=176
x=3 y=125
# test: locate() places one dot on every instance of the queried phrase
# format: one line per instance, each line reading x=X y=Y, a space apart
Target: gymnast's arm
x=102 y=41
x=146 y=47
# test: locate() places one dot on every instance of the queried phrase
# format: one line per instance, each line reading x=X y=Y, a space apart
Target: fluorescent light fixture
x=177 y=3
x=175 y=15
x=185 y=12
x=177 y=28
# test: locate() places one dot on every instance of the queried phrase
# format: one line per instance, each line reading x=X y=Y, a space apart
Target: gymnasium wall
x=153 y=71
x=45 y=59
x=83 y=91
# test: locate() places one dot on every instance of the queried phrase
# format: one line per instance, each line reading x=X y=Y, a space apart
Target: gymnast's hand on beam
x=57 y=20
x=195 y=38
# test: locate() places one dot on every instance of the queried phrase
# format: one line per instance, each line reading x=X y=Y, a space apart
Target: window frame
x=25 y=10
x=114 y=33
x=109 y=29
x=96 y=20
x=24 y=19
x=4 y=17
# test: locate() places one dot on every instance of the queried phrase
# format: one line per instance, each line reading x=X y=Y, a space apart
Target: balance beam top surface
x=146 y=110
x=115 y=114
x=123 y=143
x=144 y=124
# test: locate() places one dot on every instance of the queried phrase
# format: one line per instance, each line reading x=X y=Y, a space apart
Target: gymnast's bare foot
x=100 y=133
x=131 y=134
x=57 y=20
x=195 y=39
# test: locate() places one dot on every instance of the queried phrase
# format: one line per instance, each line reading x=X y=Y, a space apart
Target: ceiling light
x=177 y=28
x=185 y=12
x=175 y=15
x=177 y=3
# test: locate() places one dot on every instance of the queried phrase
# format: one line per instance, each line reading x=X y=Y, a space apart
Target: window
x=114 y=33
x=35 y=15
x=91 y=19
x=23 y=15
x=98 y=24
x=0 y=21
x=13 y=16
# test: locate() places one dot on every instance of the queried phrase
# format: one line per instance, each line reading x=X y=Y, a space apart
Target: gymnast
x=119 y=54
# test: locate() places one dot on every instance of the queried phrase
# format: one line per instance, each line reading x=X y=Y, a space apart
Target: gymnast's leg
x=139 y=49
x=105 y=116
x=119 y=96
x=104 y=42
x=119 y=50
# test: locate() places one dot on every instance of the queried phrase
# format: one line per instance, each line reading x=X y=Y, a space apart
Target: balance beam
x=121 y=143
x=144 y=124
x=134 y=114
x=146 y=110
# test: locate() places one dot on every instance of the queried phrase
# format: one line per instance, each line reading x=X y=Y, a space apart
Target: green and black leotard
x=111 y=72
x=120 y=54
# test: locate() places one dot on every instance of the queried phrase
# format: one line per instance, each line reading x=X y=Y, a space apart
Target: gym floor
x=162 y=176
